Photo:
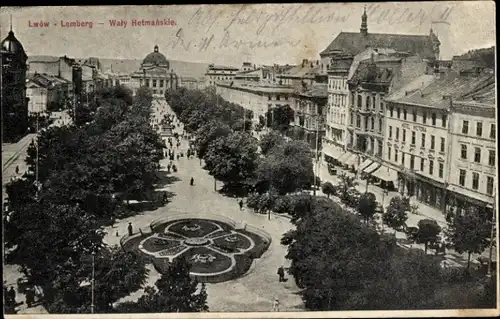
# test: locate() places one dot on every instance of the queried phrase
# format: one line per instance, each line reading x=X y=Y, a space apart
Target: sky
x=232 y=34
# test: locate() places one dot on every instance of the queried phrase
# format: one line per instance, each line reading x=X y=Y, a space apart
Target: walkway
x=253 y=292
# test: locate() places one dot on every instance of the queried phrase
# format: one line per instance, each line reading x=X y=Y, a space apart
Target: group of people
x=10 y=297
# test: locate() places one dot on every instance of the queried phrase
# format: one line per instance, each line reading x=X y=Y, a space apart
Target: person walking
x=241 y=204
x=191 y=182
x=130 y=229
x=11 y=295
x=281 y=274
x=17 y=169
x=30 y=297
x=276 y=305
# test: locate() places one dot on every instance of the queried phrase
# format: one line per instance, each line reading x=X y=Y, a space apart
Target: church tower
x=364 y=25
x=13 y=84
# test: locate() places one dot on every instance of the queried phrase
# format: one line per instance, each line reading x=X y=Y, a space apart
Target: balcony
x=363 y=111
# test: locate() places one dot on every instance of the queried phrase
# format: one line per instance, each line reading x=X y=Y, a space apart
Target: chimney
x=437 y=74
x=304 y=62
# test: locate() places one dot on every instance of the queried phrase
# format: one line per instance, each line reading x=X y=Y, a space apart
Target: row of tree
x=56 y=211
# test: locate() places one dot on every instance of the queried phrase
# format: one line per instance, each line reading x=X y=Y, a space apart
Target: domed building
x=155 y=73
x=13 y=81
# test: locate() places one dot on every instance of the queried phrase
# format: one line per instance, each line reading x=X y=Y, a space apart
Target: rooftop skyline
x=232 y=34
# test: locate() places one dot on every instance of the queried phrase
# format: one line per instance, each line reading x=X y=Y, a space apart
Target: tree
x=287 y=167
x=346 y=183
x=328 y=189
x=270 y=141
x=396 y=214
x=175 y=291
x=428 y=231
x=367 y=206
x=280 y=117
x=469 y=232
x=233 y=158
x=208 y=133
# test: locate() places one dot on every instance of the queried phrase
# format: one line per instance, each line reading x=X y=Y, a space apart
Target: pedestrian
x=11 y=295
x=281 y=274
x=191 y=182
x=276 y=305
x=168 y=168
x=130 y=229
x=177 y=156
x=17 y=169
x=241 y=204
x=30 y=297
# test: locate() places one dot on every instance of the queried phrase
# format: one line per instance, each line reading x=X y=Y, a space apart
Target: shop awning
x=372 y=168
x=365 y=164
x=478 y=198
x=352 y=160
x=332 y=152
x=386 y=174
x=344 y=157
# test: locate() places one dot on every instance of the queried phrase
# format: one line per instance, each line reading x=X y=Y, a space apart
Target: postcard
x=250 y=160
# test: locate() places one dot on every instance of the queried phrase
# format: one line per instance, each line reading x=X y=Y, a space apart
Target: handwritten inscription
x=438 y=14
x=226 y=41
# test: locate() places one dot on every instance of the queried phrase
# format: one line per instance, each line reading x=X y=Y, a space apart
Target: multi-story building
x=334 y=140
x=309 y=114
x=418 y=139
x=155 y=73
x=13 y=84
x=219 y=73
x=54 y=66
x=192 y=83
x=343 y=57
x=473 y=158
x=46 y=92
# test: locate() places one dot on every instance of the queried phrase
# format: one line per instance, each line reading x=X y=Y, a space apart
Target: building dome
x=12 y=45
x=155 y=58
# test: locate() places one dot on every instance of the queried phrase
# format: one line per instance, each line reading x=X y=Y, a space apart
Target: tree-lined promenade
x=78 y=180
x=341 y=260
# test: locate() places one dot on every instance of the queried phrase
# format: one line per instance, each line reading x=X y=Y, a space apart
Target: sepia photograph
x=260 y=160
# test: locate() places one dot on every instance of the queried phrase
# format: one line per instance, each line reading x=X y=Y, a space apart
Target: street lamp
x=316 y=154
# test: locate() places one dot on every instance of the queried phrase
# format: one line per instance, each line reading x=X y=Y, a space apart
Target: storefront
x=459 y=199
x=387 y=176
x=425 y=190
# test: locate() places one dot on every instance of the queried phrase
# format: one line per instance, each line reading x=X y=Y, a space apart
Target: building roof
x=431 y=91
x=368 y=71
x=302 y=70
x=45 y=80
x=222 y=67
x=258 y=88
x=354 y=43
x=155 y=58
x=317 y=91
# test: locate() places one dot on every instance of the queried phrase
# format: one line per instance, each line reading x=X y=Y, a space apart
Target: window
x=373 y=123
x=414 y=116
x=286 y=97
x=404 y=114
x=413 y=137
x=366 y=123
x=358 y=121
x=431 y=167
x=465 y=127
x=352 y=118
x=491 y=158
x=390 y=131
x=423 y=140
x=433 y=118
x=404 y=135
x=147 y=82
x=489 y=185
x=412 y=162
x=154 y=83
x=382 y=107
x=359 y=101
x=395 y=156
x=269 y=97
x=443 y=142
x=441 y=170
x=161 y=83
x=493 y=131
x=380 y=125
x=477 y=155
x=443 y=120
x=397 y=133
x=352 y=99
x=399 y=112
x=402 y=158
x=475 y=180
x=379 y=148
x=278 y=97
x=463 y=151
x=424 y=118
x=433 y=141
x=479 y=129
x=368 y=102
x=461 y=178
x=389 y=149
x=392 y=111
x=422 y=161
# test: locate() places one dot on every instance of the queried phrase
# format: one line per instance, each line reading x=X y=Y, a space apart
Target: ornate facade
x=155 y=73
